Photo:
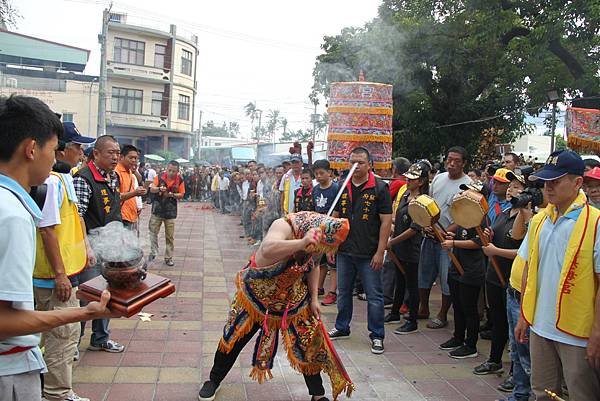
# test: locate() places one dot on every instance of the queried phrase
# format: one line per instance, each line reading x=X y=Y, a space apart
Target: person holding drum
x=406 y=246
x=465 y=288
x=503 y=247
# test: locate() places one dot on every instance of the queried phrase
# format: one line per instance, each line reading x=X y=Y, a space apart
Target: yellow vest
x=577 y=287
x=286 y=194
x=70 y=241
x=516 y=272
x=397 y=200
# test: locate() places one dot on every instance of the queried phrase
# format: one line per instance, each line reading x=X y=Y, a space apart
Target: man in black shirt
x=366 y=203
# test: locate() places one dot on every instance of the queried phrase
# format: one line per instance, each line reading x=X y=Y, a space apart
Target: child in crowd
x=303 y=201
x=323 y=195
x=465 y=289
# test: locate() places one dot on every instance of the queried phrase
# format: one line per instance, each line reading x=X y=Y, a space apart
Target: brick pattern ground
x=168 y=358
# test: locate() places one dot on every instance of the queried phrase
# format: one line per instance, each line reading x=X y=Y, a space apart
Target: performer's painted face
x=334 y=230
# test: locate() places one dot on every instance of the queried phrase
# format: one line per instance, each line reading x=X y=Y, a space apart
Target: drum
x=469 y=208
x=424 y=211
x=360 y=114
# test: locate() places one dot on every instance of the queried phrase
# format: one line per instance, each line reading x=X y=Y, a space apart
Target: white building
x=151 y=86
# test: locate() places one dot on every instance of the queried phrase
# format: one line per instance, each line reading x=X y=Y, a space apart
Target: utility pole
x=102 y=82
x=259 y=125
x=199 y=136
x=553 y=125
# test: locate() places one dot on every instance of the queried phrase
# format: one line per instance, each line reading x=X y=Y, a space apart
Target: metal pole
x=259 y=124
x=102 y=81
x=314 y=118
x=553 y=127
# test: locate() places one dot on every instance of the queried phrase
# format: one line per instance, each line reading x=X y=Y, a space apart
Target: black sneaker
x=485 y=335
x=463 y=352
x=169 y=262
x=208 y=391
x=407 y=328
x=451 y=344
x=507 y=385
x=109 y=346
x=377 y=346
x=335 y=334
x=488 y=368
x=391 y=318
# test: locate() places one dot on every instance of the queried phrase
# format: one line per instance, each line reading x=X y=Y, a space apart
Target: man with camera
x=561 y=251
x=167 y=188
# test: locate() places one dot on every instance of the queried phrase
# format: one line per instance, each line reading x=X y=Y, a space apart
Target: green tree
x=251 y=111
x=454 y=61
x=8 y=14
x=273 y=122
x=299 y=135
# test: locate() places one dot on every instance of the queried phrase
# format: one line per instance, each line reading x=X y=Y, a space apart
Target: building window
x=157 y=98
x=184 y=107
x=67 y=117
x=159 y=55
x=127 y=100
x=186 y=62
x=129 y=51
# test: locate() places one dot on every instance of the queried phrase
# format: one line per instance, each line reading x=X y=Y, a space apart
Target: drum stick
x=341 y=190
x=493 y=260
x=553 y=395
x=441 y=238
x=396 y=262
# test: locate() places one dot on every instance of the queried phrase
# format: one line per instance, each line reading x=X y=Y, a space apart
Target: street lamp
x=553 y=98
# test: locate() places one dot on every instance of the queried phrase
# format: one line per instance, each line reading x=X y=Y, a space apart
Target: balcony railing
x=136 y=120
x=137 y=71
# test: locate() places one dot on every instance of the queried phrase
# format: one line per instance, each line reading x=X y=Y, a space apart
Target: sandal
x=436 y=323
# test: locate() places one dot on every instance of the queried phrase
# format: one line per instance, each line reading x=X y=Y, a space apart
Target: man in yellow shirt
x=562 y=252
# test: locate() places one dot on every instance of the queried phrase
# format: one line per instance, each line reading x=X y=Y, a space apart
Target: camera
x=531 y=194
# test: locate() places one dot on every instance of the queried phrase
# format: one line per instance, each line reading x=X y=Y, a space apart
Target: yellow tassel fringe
x=333 y=136
x=360 y=110
x=578 y=143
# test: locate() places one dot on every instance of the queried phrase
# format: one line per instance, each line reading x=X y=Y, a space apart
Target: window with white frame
x=157 y=98
x=186 y=62
x=129 y=51
x=126 y=100
x=184 y=107
x=67 y=117
x=159 y=55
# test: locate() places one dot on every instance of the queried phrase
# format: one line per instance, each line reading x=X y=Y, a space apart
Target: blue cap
x=71 y=134
x=559 y=164
x=296 y=157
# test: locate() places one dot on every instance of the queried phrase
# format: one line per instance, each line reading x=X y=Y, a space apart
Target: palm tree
x=250 y=109
x=284 y=123
x=273 y=117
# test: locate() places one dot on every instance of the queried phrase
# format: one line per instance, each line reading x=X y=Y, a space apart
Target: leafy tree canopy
x=454 y=61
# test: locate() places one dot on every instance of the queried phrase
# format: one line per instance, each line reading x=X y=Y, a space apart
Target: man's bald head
x=103 y=141
x=106 y=152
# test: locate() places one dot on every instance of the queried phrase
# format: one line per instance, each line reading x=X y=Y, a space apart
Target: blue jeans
x=433 y=261
x=100 y=332
x=519 y=353
x=348 y=267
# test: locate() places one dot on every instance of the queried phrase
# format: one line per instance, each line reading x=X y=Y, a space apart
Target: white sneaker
x=75 y=397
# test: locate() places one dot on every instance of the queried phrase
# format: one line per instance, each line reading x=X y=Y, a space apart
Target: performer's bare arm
x=15 y=322
x=279 y=243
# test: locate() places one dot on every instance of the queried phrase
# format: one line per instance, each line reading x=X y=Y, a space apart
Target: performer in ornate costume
x=277 y=292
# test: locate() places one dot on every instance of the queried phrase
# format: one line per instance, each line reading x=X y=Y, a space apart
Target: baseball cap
x=476 y=186
x=594 y=174
x=71 y=134
x=559 y=164
x=514 y=176
x=500 y=175
x=296 y=158
x=414 y=172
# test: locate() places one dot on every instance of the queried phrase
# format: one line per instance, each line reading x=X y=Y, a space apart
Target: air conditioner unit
x=11 y=82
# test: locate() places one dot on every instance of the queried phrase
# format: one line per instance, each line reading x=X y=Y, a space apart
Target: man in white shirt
x=223 y=183
x=29 y=133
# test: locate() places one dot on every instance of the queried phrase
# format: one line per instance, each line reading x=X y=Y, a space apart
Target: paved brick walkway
x=168 y=358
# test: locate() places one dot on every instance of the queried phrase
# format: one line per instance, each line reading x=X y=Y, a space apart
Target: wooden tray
x=128 y=302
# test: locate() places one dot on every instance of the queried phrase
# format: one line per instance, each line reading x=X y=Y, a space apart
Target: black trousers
x=466 y=315
x=224 y=362
x=497 y=303
x=408 y=282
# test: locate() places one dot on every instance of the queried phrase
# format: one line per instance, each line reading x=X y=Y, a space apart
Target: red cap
x=594 y=174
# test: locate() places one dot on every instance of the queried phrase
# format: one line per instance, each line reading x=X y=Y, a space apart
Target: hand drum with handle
x=468 y=210
x=425 y=212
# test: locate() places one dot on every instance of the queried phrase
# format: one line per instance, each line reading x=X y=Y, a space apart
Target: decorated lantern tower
x=360 y=114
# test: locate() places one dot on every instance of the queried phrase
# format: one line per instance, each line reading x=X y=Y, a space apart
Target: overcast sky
x=261 y=51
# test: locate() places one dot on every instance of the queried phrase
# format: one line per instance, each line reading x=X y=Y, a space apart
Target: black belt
x=513 y=292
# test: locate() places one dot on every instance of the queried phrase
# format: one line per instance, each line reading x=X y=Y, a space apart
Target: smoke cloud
x=115 y=243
